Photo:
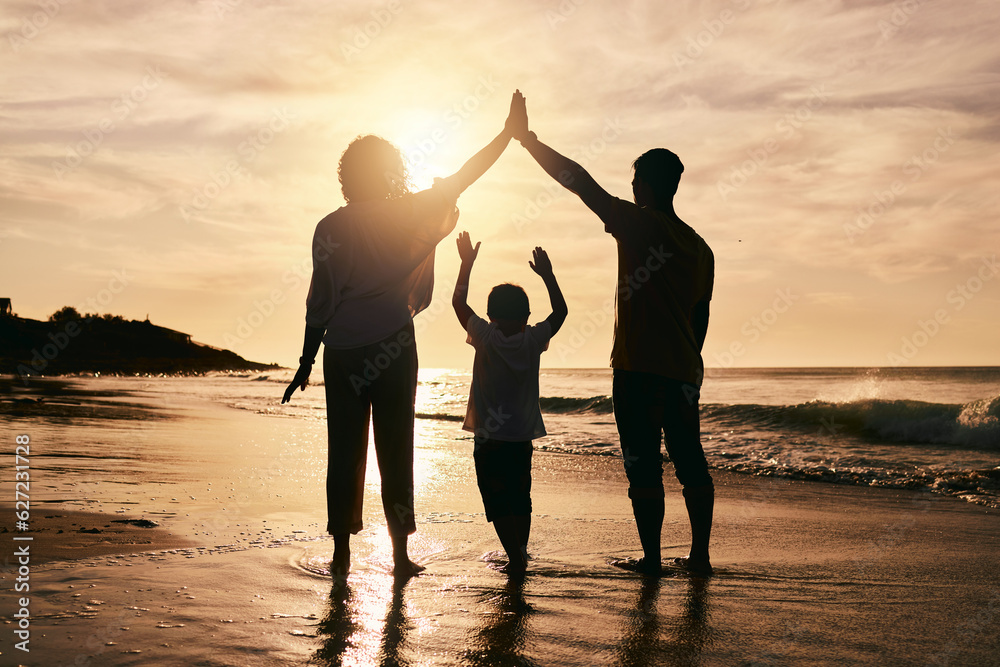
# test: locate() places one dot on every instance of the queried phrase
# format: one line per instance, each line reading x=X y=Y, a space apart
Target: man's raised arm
x=480 y=163
x=569 y=173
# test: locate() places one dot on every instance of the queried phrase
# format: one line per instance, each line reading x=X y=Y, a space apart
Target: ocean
x=929 y=429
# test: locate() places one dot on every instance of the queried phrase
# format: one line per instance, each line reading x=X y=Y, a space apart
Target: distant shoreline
x=109 y=345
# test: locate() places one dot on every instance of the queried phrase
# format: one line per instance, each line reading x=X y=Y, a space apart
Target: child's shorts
x=503 y=470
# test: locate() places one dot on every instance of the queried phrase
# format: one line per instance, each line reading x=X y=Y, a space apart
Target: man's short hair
x=661 y=170
x=508 y=302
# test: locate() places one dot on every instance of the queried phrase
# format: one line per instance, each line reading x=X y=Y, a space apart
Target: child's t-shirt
x=503 y=401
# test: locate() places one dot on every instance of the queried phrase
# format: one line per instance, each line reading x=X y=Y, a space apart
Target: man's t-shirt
x=664 y=269
x=503 y=401
x=373 y=265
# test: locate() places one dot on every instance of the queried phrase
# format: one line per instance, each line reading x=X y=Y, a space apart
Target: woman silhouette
x=373 y=271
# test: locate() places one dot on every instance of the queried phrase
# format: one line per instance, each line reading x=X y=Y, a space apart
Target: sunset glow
x=840 y=160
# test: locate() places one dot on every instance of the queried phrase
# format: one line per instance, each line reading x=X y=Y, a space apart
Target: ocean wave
x=764 y=457
x=281 y=376
x=440 y=416
x=975 y=424
x=981 y=487
x=559 y=404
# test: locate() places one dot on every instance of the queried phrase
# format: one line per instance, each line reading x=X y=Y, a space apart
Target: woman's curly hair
x=372 y=168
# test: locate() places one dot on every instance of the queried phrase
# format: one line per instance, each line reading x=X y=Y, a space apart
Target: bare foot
x=517 y=563
x=340 y=565
x=700 y=568
x=402 y=566
x=648 y=566
x=515 y=570
x=642 y=566
x=404 y=569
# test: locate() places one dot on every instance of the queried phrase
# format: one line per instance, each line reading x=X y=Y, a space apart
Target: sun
x=420 y=134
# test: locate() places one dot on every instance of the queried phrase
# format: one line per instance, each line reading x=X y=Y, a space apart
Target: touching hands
x=517 y=120
x=465 y=249
x=541 y=264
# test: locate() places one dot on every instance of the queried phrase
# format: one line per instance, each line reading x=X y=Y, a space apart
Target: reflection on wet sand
x=500 y=637
x=396 y=625
x=342 y=629
x=345 y=630
x=337 y=626
x=647 y=639
x=353 y=627
x=66 y=402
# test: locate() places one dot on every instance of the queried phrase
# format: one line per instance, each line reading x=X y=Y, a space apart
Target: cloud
x=841 y=97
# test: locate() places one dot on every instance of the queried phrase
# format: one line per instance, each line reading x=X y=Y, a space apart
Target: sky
x=172 y=159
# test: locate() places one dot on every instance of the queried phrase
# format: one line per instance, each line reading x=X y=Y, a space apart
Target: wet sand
x=235 y=571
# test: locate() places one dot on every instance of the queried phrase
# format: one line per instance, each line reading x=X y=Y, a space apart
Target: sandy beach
x=234 y=571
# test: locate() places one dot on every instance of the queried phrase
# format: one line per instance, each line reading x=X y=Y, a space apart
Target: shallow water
x=807 y=573
x=934 y=428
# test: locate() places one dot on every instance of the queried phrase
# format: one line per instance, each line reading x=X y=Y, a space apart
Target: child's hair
x=508 y=302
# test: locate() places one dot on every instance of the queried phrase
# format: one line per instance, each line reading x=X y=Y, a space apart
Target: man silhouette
x=665 y=280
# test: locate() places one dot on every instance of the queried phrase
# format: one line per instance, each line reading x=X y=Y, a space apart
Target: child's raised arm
x=459 y=298
x=543 y=267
